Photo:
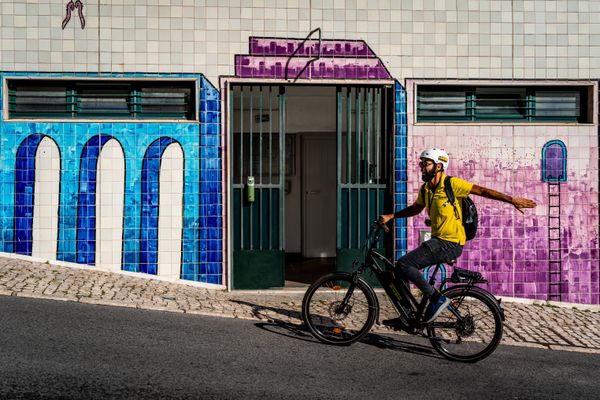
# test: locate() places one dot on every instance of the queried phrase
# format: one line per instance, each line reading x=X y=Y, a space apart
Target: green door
x=257 y=129
x=364 y=145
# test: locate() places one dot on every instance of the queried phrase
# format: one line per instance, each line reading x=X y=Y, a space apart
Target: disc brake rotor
x=338 y=312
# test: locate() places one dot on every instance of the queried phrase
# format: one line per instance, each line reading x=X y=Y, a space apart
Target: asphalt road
x=53 y=349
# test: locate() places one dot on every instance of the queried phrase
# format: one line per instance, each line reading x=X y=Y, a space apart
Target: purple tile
x=324 y=68
x=329 y=48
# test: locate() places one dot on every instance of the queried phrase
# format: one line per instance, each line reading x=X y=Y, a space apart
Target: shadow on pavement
x=389 y=343
x=265 y=312
x=294 y=331
x=299 y=331
x=279 y=326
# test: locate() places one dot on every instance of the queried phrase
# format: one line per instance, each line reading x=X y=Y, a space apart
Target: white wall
x=46 y=193
x=110 y=191
x=310 y=111
x=170 y=214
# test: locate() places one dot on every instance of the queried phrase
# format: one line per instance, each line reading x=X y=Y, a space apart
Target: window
x=112 y=99
x=500 y=103
x=550 y=104
x=442 y=103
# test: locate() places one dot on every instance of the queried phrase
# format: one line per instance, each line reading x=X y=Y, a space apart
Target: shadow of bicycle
x=279 y=325
x=283 y=326
x=397 y=343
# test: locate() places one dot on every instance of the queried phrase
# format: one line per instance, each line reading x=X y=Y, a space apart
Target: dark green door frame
x=364 y=165
x=258 y=213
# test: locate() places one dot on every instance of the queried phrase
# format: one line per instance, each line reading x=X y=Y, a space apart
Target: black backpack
x=470 y=217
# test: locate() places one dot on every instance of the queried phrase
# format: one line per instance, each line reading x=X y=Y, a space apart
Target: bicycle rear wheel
x=470 y=329
x=338 y=311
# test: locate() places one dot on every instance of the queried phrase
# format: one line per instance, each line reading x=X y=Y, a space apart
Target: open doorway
x=310 y=168
x=311 y=188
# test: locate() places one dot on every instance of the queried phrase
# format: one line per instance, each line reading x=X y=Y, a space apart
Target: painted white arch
x=46 y=198
x=110 y=192
x=170 y=212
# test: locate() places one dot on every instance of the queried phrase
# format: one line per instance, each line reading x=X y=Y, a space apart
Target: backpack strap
x=450 y=194
x=422 y=193
x=449 y=191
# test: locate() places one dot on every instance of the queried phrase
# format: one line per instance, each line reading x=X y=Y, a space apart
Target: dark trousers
x=431 y=252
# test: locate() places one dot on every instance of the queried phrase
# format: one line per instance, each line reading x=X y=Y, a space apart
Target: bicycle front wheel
x=470 y=329
x=338 y=311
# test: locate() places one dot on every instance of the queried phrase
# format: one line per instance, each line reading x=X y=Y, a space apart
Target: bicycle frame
x=398 y=290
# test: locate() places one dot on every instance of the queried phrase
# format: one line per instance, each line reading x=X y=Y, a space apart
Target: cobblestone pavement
x=532 y=325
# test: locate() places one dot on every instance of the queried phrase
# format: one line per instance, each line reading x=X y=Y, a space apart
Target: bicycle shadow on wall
x=299 y=331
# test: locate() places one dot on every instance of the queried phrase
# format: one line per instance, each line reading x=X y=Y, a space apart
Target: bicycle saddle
x=464 y=275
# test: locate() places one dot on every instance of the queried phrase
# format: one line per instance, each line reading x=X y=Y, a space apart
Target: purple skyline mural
x=337 y=59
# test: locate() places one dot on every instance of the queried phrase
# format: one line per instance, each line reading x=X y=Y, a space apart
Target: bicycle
x=341 y=308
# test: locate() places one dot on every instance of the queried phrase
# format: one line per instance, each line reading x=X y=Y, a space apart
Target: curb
x=249 y=316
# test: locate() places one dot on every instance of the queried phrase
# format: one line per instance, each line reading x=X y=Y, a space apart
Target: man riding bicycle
x=447 y=231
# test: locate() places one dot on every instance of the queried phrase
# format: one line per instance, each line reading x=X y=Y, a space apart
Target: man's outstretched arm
x=409 y=211
x=517 y=202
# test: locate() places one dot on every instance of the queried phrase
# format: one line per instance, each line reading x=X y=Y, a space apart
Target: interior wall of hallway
x=311 y=112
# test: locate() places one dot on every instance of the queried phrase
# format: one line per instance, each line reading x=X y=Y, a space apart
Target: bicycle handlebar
x=386 y=229
x=373 y=236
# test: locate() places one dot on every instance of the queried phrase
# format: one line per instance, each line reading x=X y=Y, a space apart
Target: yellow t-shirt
x=445 y=224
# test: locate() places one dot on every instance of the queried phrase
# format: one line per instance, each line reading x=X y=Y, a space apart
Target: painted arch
x=37 y=188
x=161 y=221
x=100 y=203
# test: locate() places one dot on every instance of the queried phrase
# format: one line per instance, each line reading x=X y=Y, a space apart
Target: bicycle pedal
x=397 y=324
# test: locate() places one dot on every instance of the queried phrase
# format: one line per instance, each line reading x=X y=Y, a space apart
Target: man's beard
x=428 y=176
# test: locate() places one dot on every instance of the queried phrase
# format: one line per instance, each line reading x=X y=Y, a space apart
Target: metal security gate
x=364 y=135
x=257 y=133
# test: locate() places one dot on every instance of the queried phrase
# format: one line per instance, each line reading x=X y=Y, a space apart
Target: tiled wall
x=110 y=206
x=464 y=39
x=400 y=168
x=511 y=248
x=496 y=39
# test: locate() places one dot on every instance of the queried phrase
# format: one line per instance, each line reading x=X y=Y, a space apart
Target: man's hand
x=385 y=218
x=521 y=203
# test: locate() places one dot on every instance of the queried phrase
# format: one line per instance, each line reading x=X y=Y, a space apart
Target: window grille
x=46 y=99
x=501 y=104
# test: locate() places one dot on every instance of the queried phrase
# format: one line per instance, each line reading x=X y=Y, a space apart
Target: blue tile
x=134 y=137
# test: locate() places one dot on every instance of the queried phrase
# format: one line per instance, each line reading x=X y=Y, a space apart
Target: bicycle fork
x=344 y=307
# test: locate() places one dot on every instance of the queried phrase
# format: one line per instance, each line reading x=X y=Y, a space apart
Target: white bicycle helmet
x=437 y=156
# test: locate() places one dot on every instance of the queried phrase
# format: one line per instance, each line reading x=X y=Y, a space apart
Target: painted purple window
x=554 y=161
